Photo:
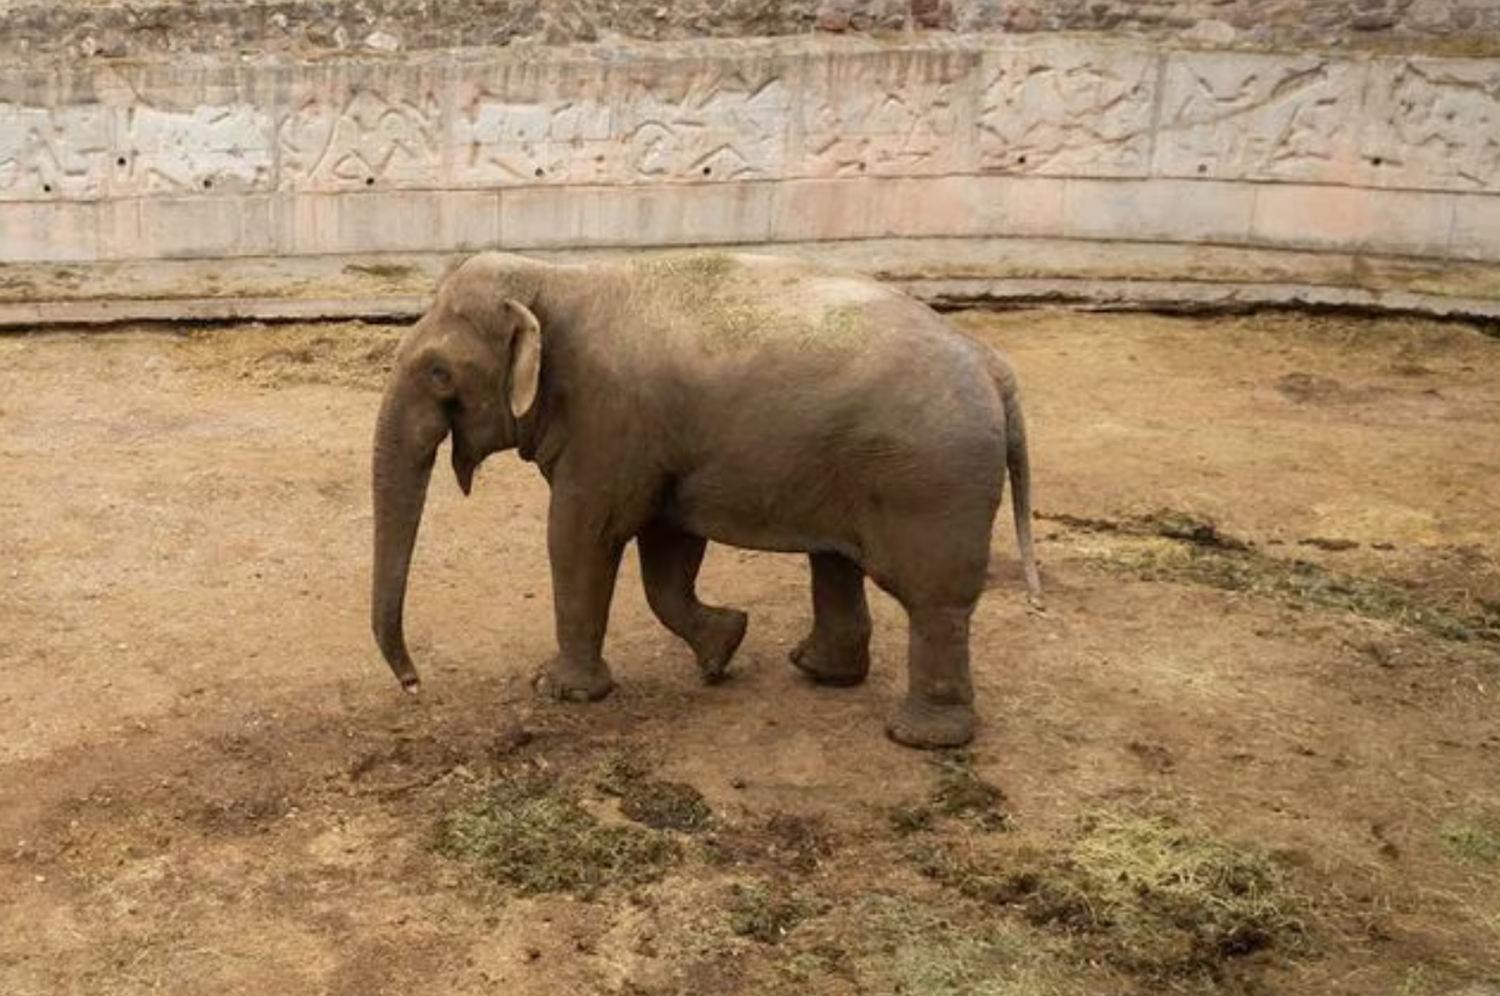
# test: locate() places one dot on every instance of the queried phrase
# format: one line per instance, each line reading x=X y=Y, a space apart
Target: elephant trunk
x=406 y=440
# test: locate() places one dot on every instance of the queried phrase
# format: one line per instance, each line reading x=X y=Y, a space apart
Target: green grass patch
x=531 y=834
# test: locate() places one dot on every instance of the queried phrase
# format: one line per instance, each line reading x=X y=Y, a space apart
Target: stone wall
x=112 y=29
x=809 y=138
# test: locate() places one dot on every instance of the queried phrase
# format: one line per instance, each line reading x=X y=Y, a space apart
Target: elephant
x=754 y=400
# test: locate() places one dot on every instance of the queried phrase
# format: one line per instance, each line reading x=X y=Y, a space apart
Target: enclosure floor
x=1273 y=576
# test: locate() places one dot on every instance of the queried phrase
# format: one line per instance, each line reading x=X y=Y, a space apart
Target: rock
x=1022 y=18
x=1428 y=15
x=382 y=41
x=977 y=15
x=930 y=13
x=1374 y=20
x=1210 y=32
x=832 y=19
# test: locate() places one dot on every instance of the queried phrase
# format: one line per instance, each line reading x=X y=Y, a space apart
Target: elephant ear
x=525 y=358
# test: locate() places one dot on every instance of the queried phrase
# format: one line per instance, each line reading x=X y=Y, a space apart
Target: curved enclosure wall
x=990 y=139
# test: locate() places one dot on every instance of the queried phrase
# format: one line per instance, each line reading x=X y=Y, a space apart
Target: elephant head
x=469 y=369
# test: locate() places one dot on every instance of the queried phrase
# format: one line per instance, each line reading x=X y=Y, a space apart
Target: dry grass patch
x=1179 y=547
x=653 y=802
x=767 y=912
x=916 y=945
x=1142 y=894
x=1472 y=839
x=960 y=793
x=531 y=834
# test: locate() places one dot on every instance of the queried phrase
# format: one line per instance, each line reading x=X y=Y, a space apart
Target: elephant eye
x=441 y=379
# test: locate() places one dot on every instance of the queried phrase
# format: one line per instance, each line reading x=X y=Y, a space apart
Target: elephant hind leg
x=938 y=710
x=670 y=559
x=837 y=651
x=936 y=570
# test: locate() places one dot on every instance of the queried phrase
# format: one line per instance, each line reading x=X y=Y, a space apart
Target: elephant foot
x=570 y=681
x=929 y=726
x=718 y=639
x=827 y=665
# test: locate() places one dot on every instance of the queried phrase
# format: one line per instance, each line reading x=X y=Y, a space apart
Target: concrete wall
x=806 y=139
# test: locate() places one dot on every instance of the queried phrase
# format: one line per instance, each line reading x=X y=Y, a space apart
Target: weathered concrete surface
x=767 y=141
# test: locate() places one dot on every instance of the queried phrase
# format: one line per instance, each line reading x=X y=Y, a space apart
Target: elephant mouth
x=465 y=462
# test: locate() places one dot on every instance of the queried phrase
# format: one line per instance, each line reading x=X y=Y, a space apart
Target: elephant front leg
x=670 y=559
x=837 y=651
x=585 y=564
x=939 y=707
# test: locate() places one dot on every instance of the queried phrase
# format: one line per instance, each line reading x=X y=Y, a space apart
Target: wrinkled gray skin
x=749 y=400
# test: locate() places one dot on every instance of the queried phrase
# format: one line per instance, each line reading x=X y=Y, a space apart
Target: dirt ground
x=1252 y=745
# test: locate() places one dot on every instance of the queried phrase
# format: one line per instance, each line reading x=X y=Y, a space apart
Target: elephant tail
x=1018 y=467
